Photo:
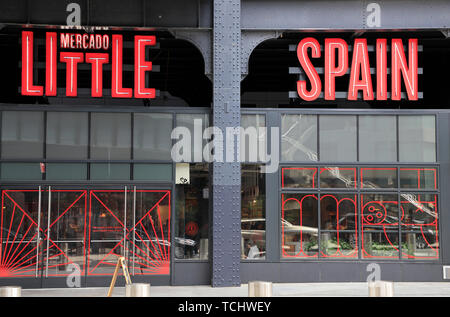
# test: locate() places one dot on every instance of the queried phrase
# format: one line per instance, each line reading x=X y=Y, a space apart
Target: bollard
x=137 y=290
x=10 y=291
x=259 y=289
x=381 y=289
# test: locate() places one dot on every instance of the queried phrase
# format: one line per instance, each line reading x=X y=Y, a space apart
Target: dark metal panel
x=260 y=272
x=116 y=13
x=174 y=13
x=307 y=272
x=191 y=273
x=54 y=12
x=340 y=272
x=13 y=11
x=421 y=272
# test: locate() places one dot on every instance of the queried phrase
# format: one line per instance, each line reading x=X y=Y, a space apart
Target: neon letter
x=308 y=68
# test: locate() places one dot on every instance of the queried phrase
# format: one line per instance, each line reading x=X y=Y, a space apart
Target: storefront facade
x=350 y=114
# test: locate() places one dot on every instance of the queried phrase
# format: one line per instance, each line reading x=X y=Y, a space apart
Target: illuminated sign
x=337 y=64
x=87 y=43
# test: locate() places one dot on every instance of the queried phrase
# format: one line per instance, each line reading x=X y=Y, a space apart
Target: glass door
x=49 y=234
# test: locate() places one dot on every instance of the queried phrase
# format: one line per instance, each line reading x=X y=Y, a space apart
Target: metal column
x=226 y=183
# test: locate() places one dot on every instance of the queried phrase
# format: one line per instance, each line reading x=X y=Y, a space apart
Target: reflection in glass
x=337 y=135
x=107 y=215
x=380 y=244
x=377 y=139
x=338 y=212
x=418 y=209
x=299 y=225
x=67 y=135
x=417 y=138
x=299 y=138
x=110 y=136
x=379 y=211
x=299 y=177
x=418 y=178
x=338 y=245
x=253 y=219
x=192 y=215
x=22 y=135
x=254 y=138
x=338 y=177
x=195 y=123
x=420 y=245
x=151 y=139
x=378 y=177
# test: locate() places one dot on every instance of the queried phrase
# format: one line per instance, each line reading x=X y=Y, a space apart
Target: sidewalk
x=298 y=289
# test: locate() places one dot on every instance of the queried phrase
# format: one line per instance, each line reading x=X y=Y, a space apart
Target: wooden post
x=120 y=262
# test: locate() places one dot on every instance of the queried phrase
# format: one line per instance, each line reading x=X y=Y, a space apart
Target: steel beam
x=226 y=178
x=344 y=14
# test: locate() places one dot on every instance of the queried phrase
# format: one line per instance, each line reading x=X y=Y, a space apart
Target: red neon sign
x=97 y=60
x=337 y=64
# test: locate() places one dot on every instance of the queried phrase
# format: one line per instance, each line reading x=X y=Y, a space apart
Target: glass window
x=151 y=139
x=298 y=138
x=67 y=135
x=110 y=171
x=418 y=178
x=192 y=215
x=417 y=138
x=253 y=144
x=22 y=134
x=299 y=177
x=338 y=177
x=21 y=171
x=338 y=212
x=253 y=219
x=66 y=171
x=196 y=124
x=152 y=172
x=299 y=226
x=380 y=245
x=377 y=139
x=337 y=138
x=378 y=177
x=110 y=136
x=379 y=211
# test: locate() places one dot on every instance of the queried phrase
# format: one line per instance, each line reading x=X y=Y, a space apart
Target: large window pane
x=299 y=225
x=66 y=171
x=253 y=144
x=378 y=177
x=152 y=172
x=338 y=177
x=192 y=215
x=110 y=171
x=418 y=178
x=152 y=136
x=196 y=124
x=253 y=220
x=377 y=139
x=337 y=138
x=417 y=138
x=67 y=135
x=21 y=171
x=22 y=135
x=299 y=138
x=110 y=136
x=299 y=177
